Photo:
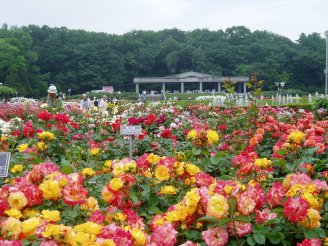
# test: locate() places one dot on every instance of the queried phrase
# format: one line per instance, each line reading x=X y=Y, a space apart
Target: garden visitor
x=95 y=102
x=86 y=103
x=103 y=103
x=53 y=99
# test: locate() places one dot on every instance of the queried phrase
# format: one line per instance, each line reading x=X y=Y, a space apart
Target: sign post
x=4 y=164
x=130 y=130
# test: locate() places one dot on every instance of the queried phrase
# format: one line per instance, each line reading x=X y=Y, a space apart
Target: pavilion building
x=192 y=77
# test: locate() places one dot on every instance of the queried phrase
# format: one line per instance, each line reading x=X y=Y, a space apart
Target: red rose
x=44 y=115
x=74 y=194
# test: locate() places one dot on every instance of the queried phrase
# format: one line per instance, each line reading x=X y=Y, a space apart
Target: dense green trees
x=32 y=57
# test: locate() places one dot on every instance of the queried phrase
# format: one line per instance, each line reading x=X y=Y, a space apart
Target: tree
x=6 y=91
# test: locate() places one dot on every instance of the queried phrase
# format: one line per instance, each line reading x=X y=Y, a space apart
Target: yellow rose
x=29 y=226
x=297 y=137
x=17 y=200
x=118 y=170
x=228 y=189
x=46 y=135
x=120 y=216
x=51 y=189
x=217 y=206
x=116 y=184
x=88 y=227
x=192 y=134
x=91 y=205
x=212 y=136
x=312 y=219
x=51 y=230
x=17 y=168
x=29 y=213
x=139 y=236
x=192 y=169
x=108 y=164
x=41 y=145
x=162 y=173
x=51 y=215
x=88 y=172
x=94 y=151
x=14 y=213
x=83 y=238
x=22 y=147
x=168 y=190
x=173 y=216
x=11 y=228
x=264 y=162
x=153 y=159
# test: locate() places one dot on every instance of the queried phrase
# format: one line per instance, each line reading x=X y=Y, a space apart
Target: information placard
x=4 y=164
x=130 y=130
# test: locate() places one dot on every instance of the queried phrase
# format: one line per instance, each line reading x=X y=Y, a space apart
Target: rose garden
x=199 y=175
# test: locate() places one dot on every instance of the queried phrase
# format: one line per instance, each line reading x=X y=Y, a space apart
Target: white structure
x=326 y=70
x=191 y=77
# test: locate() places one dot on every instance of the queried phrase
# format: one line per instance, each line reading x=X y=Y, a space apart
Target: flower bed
x=201 y=176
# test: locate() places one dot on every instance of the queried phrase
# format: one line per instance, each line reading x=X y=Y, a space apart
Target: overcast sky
x=285 y=17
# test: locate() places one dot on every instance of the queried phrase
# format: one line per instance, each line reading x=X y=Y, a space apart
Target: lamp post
x=326 y=70
x=69 y=93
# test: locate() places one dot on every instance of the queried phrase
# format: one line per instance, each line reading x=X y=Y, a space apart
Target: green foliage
x=6 y=91
x=32 y=57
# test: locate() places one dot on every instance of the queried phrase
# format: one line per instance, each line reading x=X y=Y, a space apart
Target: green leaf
x=193 y=235
x=153 y=201
x=282 y=152
x=259 y=238
x=279 y=162
x=310 y=234
x=196 y=151
x=154 y=210
x=66 y=167
x=320 y=232
x=278 y=210
x=273 y=221
x=207 y=219
x=225 y=177
x=242 y=218
x=274 y=237
x=290 y=167
x=223 y=221
x=251 y=241
x=133 y=194
x=215 y=159
x=146 y=192
x=232 y=205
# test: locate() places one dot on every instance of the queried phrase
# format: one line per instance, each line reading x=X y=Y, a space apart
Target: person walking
x=85 y=103
x=103 y=103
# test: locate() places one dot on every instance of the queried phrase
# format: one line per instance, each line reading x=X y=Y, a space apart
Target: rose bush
x=200 y=176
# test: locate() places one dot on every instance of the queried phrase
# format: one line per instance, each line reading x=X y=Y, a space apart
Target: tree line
x=32 y=57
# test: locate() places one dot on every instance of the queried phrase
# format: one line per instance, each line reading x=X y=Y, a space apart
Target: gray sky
x=285 y=17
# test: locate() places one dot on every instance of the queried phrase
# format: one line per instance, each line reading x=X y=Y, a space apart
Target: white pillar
x=182 y=87
x=219 y=87
x=163 y=87
x=200 y=86
x=137 y=88
x=244 y=87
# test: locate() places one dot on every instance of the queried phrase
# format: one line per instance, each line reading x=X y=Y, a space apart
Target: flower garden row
x=200 y=176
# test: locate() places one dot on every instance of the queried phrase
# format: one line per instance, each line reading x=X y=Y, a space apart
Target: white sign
x=4 y=164
x=130 y=130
